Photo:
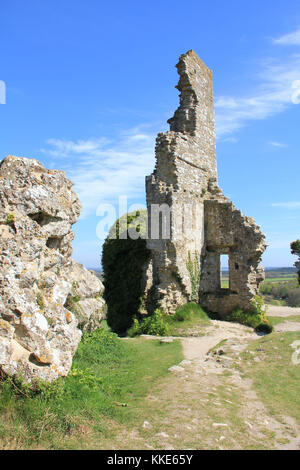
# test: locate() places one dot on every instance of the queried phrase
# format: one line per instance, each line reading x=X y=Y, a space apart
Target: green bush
x=295 y=250
x=245 y=318
x=257 y=320
x=293 y=298
x=152 y=325
x=264 y=327
x=123 y=259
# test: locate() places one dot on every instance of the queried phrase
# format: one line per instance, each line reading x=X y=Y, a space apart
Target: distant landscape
x=279 y=288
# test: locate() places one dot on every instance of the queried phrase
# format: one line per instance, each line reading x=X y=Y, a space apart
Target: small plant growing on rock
x=10 y=219
x=40 y=300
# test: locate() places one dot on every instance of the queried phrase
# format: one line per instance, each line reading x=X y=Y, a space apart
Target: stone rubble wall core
x=44 y=294
x=204 y=224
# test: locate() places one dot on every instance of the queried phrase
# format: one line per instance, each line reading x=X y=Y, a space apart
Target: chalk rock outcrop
x=84 y=299
x=39 y=334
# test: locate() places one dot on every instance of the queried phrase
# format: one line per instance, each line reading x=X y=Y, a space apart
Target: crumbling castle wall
x=190 y=222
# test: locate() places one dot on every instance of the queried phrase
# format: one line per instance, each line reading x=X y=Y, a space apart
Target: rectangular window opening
x=224 y=270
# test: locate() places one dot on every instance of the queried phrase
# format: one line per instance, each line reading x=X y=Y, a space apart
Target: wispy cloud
x=103 y=170
x=290 y=39
x=277 y=144
x=273 y=93
x=287 y=205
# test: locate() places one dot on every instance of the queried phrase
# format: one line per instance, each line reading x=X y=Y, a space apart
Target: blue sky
x=89 y=84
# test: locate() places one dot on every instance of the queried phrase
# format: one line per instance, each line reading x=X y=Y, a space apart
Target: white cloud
x=103 y=170
x=290 y=39
x=273 y=93
x=277 y=144
x=287 y=205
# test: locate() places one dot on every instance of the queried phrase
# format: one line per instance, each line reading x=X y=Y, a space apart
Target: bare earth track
x=278 y=311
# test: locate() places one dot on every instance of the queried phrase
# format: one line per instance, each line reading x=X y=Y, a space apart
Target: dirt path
x=281 y=311
x=206 y=403
x=287 y=326
x=198 y=347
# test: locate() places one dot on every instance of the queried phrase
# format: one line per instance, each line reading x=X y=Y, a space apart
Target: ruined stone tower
x=190 y=222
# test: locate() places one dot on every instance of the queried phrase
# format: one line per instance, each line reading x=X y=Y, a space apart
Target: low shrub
x=293 y=298
x=258 y=320
x=151 y=325
x=245 y=318
x=264 y=327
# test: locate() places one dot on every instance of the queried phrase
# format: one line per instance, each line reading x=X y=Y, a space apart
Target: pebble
x=176 y=369
x=147 y=425
x=162 y=434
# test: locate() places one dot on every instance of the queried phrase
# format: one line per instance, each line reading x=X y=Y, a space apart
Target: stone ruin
x=190 y=221
x=46 y=298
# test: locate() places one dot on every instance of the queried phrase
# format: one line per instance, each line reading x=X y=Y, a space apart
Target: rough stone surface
x=203 y=222
x=84 y=299
x=39 y=334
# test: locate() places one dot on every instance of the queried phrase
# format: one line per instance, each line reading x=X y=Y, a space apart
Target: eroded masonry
x=204 y=224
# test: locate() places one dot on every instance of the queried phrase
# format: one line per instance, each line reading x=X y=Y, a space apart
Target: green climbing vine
x=193 y=267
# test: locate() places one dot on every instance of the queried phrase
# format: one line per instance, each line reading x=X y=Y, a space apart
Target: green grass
x=280 y=279
x=276 y=379
x=187 y=317
x=217 y=346
x=275 y=320
x=225 y=284
x=108 y=380
x=278 y=303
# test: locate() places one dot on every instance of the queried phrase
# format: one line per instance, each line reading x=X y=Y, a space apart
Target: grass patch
x=187 y=317
x=225 y=283
x=185 y=321
x=151 y=325
x=275 y=320
x=107 y=382
x=217 y=346
x=276 y=379
x=280 y=303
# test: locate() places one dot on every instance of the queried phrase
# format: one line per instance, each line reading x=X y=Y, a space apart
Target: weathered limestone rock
x=38 y=334
x=85 y=299
x=191 y=223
